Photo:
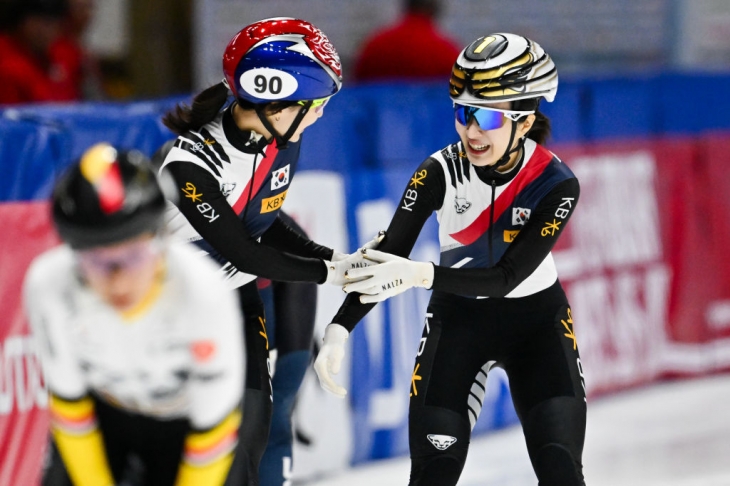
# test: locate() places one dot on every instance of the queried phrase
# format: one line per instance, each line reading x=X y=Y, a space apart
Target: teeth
x=478 y=147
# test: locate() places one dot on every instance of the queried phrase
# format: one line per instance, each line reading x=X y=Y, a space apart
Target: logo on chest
x=461 y=205
x=280 y=178
x=520 y=216
x=227 y=188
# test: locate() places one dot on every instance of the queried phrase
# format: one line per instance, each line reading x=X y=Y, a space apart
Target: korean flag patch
x=520 y=216
x=280 y=178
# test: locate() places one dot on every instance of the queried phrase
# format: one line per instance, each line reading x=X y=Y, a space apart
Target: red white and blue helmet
x=281 y=59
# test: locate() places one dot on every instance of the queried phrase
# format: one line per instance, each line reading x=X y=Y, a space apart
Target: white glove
x=341 y=263
x=330 y=357
x=392 y=276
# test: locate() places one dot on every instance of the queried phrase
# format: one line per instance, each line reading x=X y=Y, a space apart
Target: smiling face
x=486 y=147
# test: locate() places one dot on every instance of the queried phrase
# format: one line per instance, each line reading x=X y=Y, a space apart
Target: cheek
x=460 y=130
x=310 y=119
x=500 y=136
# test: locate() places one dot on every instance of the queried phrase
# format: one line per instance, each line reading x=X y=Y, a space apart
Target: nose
x=472 y=128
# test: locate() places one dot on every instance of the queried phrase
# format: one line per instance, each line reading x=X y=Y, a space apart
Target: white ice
x=675 y=433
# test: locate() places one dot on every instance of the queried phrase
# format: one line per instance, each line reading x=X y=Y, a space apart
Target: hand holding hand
x=337 y=268
x=392 y=276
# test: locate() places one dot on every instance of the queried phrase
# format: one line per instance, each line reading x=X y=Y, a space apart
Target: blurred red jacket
x=25 y=79
x=413 y=48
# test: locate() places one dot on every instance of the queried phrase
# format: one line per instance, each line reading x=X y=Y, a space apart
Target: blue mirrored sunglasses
x=486 y=118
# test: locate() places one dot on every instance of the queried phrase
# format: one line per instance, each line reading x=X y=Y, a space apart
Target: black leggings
x=257 y=398
x=532 y=339
x=143 y=450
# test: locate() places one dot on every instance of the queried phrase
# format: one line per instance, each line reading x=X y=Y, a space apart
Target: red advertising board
x=23 y=397
x=643 y=260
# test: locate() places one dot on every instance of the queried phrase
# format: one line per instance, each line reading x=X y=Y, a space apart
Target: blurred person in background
x=70 y=49
x=233 y=164
x=502 y=202
x=30 y=70
x=412 y=48
x=140 y=340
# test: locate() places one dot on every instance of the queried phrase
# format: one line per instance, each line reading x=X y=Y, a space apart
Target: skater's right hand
x=339 y=265
x=330 y=357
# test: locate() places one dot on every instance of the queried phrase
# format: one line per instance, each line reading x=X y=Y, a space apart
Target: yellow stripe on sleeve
x=79 y=442
x=208 y=455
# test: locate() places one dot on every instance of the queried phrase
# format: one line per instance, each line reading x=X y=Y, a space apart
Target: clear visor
x=128 y=256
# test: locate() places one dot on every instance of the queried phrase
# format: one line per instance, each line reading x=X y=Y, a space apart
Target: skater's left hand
x=329 y=359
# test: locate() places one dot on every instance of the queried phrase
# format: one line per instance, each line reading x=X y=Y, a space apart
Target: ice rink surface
x=675 y=433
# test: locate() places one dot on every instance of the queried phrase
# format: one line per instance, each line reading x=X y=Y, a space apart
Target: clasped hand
x=341 y=264
x=391 y=276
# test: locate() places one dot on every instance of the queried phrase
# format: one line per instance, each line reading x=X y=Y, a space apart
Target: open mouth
x=478 y=149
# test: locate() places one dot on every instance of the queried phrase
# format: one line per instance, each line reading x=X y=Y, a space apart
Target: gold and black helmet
x=503 y=67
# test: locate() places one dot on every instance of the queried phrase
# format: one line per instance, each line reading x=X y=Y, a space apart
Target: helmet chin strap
x=282 y=141
x=504 y=160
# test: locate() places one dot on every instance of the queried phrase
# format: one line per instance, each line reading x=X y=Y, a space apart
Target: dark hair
x=541 y=129
x=430 y=8
x=13 y=12
x=206 y=106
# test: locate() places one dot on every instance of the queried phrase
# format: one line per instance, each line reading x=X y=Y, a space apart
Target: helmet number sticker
x=268 y=84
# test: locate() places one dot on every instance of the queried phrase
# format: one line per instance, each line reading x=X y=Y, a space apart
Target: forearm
x=79 y=441
x=285 y=238
x=403 y=231
x=208 y=455
x=213 y=218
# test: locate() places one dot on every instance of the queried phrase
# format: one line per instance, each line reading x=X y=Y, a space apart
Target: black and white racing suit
x=231 y=186
x=496 y=301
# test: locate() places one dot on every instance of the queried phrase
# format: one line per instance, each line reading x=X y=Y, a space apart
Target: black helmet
x=106 y=197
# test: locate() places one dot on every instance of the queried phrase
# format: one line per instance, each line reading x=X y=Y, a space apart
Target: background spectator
x=70 y=50
x=413 y=47
x=29 y=69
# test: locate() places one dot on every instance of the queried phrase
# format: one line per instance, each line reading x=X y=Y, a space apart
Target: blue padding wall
x=366 y=128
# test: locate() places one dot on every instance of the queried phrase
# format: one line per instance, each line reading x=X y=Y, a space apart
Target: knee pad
x=439 y=441
x=556 y=466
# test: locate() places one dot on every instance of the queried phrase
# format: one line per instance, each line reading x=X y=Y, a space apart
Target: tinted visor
x=486 y=119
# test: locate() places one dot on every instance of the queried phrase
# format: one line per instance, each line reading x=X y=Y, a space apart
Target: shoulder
x=542 y=159
x=454 y=164
x=557 y=164
x=206 y=147
x=51 y=269
x=48 y=281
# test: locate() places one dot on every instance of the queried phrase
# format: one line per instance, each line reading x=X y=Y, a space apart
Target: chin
x=122 y=304
x=480 y=162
